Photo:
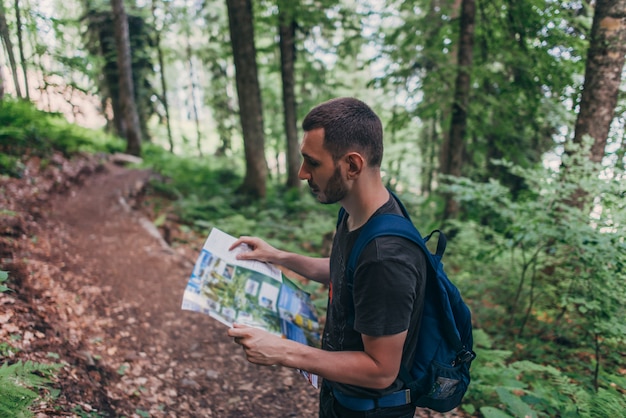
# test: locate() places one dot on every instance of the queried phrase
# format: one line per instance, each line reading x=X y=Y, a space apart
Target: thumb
x=235 y=330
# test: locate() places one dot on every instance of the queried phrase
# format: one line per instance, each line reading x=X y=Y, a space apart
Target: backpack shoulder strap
x=398 y=225
x=340 y=216
x=380 y=225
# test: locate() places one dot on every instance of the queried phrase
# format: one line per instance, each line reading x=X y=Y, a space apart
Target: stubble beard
x=334 y=191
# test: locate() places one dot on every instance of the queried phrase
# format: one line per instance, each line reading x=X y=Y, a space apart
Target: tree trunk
x=249 y=94
x=1 y=83
x=434 y=15
x=222 y=105
x=20 y=44
x=194 y=107
x=429 y=153
x=127 y=96
x=458 y=126
x=605 y=61
x=287 y=32
x=8 y=45
x=164 y=100
x=101 y=42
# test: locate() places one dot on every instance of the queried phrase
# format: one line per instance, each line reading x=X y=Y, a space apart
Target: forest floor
x=97 y=287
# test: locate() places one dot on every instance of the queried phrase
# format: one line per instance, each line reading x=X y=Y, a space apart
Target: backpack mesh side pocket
x=443 y=386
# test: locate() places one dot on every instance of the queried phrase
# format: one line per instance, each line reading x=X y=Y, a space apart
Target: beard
x=334 y=191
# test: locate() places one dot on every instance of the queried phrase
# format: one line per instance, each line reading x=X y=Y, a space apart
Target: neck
x=364 y=199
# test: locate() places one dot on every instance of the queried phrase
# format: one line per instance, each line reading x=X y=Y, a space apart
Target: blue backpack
x=439 y=376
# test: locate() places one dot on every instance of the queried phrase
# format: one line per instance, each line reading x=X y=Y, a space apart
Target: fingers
x=258 y=346
x=242 y=240
x=238 y=330
x=253 y=245
x=259 y=249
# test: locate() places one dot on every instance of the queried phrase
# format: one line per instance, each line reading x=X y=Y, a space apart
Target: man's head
x=341 y=137
x=349 y=125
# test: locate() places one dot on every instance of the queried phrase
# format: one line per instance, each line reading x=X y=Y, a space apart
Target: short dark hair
x=348 y=124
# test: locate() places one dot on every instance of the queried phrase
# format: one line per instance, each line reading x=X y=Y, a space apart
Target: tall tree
x=20 y=46
x=241 y=27
x=453 y=157
x=1 y=82
x=603 y=75
x=192 y=94
x=8 y=46
x=127 y=95
x=223 y=107
x=287 y=35
x=100 y=41
x=161 y=61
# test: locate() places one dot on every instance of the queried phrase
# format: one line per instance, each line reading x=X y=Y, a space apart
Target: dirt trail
x=182 y=361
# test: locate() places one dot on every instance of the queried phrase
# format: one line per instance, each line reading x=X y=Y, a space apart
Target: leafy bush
x=547 y=279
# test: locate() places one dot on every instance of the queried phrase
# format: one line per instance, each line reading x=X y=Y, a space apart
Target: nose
x=303 y=174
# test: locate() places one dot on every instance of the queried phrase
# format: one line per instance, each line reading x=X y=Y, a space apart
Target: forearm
x=316 y=269
x=349 y=367
x=375 y=367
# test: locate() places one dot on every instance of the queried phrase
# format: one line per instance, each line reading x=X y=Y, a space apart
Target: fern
x=19 y=386
x=549 y=392
x=607 y=403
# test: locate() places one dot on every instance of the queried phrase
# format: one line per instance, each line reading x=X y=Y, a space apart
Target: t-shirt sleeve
x=385 y=287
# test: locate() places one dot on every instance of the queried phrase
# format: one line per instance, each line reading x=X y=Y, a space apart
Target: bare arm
x=317 y=269
x=375 y=367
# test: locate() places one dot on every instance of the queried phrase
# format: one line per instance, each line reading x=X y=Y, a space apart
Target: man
x=370 y=329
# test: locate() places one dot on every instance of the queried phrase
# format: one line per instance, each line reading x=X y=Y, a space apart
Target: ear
x=355 y=162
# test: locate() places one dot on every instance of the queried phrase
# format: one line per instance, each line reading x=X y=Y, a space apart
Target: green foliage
x=546 y=391
x=80 y=412
x=20 y=384
x=527 y=62
x=26 y=130
x=7 y=350
x=524 y=388
x=546 y=278
x=142 y=413
x=4 y=277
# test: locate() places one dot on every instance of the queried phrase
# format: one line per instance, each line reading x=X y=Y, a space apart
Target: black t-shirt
x=388 y=295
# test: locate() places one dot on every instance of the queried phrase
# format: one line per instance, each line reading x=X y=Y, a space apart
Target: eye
x=312 y=163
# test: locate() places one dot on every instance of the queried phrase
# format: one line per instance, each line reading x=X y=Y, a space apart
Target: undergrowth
x=25 y=130
x=547 y=281
x=21 y=384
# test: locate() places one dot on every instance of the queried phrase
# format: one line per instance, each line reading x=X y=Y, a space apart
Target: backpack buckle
x=464 y=356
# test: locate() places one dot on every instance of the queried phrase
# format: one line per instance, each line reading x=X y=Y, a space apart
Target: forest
x=505 y=127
